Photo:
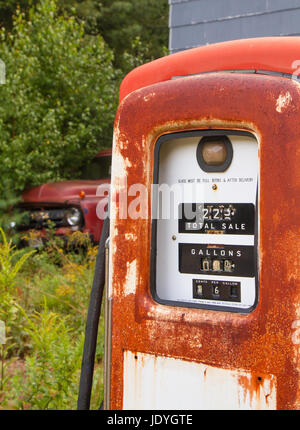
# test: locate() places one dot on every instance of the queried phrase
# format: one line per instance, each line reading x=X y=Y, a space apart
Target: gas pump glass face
x=204 y=235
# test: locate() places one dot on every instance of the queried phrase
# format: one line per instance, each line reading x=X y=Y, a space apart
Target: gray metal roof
x=200 y=22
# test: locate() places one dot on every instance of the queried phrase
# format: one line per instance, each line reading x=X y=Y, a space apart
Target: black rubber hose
x=92 y=323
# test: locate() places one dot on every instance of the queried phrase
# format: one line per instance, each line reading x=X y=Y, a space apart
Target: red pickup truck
x=70 y=205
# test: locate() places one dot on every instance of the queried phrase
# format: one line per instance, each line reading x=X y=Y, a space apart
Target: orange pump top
x=272 y=54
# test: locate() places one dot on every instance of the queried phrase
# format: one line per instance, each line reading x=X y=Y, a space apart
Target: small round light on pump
x=73 y=216
x=214 y=153
x=82 y=194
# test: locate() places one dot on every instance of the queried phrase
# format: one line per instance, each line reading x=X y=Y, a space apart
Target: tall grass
x=47 y=293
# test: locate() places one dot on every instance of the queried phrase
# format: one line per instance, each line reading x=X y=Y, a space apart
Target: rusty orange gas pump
x=203 y=296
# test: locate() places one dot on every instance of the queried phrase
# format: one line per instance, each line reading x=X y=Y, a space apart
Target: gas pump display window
x=214 y=218
x=205 y=220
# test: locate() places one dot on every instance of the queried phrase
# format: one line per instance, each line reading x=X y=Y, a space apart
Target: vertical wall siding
x=201 y=22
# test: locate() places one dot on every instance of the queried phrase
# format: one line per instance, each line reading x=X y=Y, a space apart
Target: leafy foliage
x=8 y=202
x=8 y=8
x=145 y=20
x=45 y=319
x=62 y=61
x=123 y=23
x=59 y=99
x=9 y=265
x=51 y=369
x=120 y=23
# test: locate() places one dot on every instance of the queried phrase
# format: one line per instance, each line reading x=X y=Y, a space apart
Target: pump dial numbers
x=219 y=212
x=219 y=260
x=213 y=218
x=217 y=265
x=206 y=289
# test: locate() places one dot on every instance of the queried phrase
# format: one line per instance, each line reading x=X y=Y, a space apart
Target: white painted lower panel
x=158 y=382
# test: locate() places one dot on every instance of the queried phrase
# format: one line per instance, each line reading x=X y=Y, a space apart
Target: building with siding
x=200 y=22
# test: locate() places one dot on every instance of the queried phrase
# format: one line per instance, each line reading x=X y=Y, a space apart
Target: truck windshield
x=98 y=168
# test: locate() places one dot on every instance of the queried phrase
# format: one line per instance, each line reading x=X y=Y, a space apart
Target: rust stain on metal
x=257 y=387
x=258 y=342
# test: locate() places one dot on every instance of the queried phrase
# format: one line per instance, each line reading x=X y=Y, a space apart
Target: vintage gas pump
x=203 y=290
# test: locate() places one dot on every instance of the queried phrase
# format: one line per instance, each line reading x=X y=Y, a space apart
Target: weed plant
x=44 y=297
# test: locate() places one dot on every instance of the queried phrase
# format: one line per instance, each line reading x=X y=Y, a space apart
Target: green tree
x=59 y=100
x=136 y=28
x=8 y=8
